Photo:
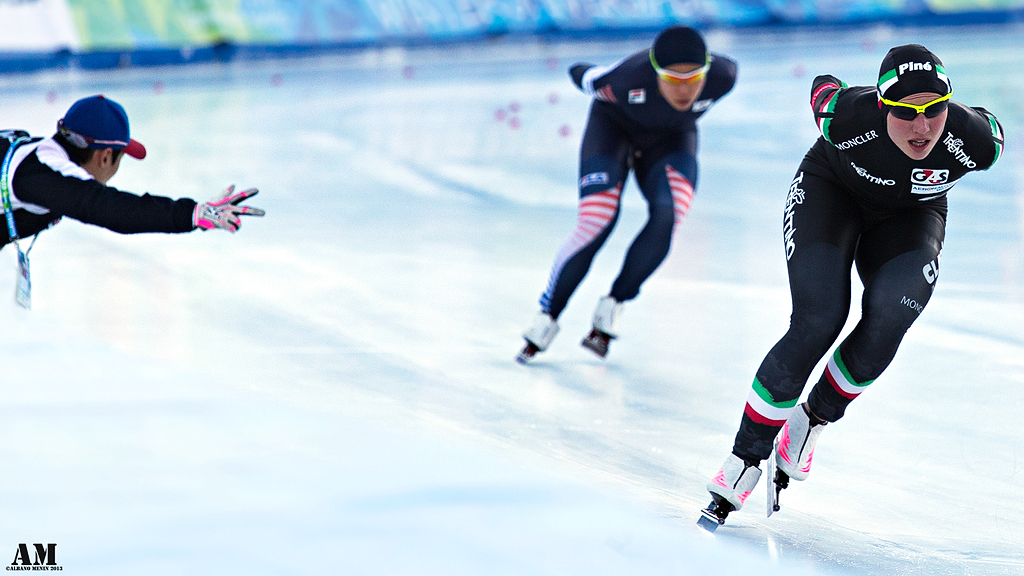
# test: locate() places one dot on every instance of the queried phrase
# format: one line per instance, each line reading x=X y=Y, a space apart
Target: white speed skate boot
x=794 y=446
x=729 y=490
x=794 y=451
x=538 y=337
x=606 y=326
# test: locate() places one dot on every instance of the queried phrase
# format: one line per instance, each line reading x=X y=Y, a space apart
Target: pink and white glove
x=224 y=212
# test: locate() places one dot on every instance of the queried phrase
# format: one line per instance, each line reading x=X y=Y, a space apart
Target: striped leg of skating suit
x=682 y=192
x=598 y=212
x=669 y=197
x=605 y=159
x=667 y=187
x=665 y=166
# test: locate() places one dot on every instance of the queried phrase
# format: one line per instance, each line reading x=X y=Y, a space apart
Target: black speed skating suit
x=857 y=198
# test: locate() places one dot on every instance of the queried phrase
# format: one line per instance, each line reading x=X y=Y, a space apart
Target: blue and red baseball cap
x=97 y=122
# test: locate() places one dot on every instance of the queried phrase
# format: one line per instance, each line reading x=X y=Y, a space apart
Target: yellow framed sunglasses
x=905 y=111
x=677 y=78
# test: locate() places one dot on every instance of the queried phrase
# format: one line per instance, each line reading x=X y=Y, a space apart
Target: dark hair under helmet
x=679 y=45
x=911 y=69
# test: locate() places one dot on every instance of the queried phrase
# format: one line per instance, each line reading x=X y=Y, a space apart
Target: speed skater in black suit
x=871 y=192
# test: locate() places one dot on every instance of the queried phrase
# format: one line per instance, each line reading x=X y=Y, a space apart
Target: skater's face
x=917 y=137
x=681 y=94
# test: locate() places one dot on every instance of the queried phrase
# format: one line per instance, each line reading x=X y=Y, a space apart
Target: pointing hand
x=224 y=212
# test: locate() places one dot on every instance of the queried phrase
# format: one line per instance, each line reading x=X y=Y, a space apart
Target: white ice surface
x=332 y=389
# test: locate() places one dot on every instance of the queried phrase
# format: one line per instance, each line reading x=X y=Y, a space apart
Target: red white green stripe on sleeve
x=826 y=106
x=763 y=409
x=839 y=377
x=997 y=136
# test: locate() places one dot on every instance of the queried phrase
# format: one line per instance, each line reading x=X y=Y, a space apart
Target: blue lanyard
x=12 y=231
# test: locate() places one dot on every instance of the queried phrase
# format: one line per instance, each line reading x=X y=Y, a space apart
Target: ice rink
x=332 y=390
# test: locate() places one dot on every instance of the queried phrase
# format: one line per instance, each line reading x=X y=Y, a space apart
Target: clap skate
x=729 y=490
x=606 y=319
x=794 y=451
x=538 y=337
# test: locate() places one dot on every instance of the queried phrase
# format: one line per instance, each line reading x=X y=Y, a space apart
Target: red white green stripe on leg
x=840 y=379
x=763 y=409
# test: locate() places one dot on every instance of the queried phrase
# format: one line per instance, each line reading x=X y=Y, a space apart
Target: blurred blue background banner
x=36 y=34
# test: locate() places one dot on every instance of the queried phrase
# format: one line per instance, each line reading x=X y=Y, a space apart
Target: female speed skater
x=871 y=191
x=643 y=118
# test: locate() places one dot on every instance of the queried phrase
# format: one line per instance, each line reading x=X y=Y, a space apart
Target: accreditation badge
x=23 y=293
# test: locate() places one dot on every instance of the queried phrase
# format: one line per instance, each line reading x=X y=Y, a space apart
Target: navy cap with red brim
x=104 y=124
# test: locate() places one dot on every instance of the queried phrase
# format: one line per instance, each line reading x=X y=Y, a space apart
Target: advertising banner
x=154 y=31
x=36 y=26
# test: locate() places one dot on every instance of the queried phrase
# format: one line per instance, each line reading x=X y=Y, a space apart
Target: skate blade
x=597 y=342
x=777 y=482
x=714 y=515
x=708 y=521
x=527 y=353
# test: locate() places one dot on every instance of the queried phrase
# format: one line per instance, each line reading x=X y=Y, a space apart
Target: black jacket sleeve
x=997 y=134
x=94 y=203
x=823 y=91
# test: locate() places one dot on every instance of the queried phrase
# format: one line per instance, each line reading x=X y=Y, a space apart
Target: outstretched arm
x=88 y=201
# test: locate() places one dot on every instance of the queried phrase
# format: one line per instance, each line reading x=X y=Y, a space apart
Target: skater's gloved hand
x=223 y=212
